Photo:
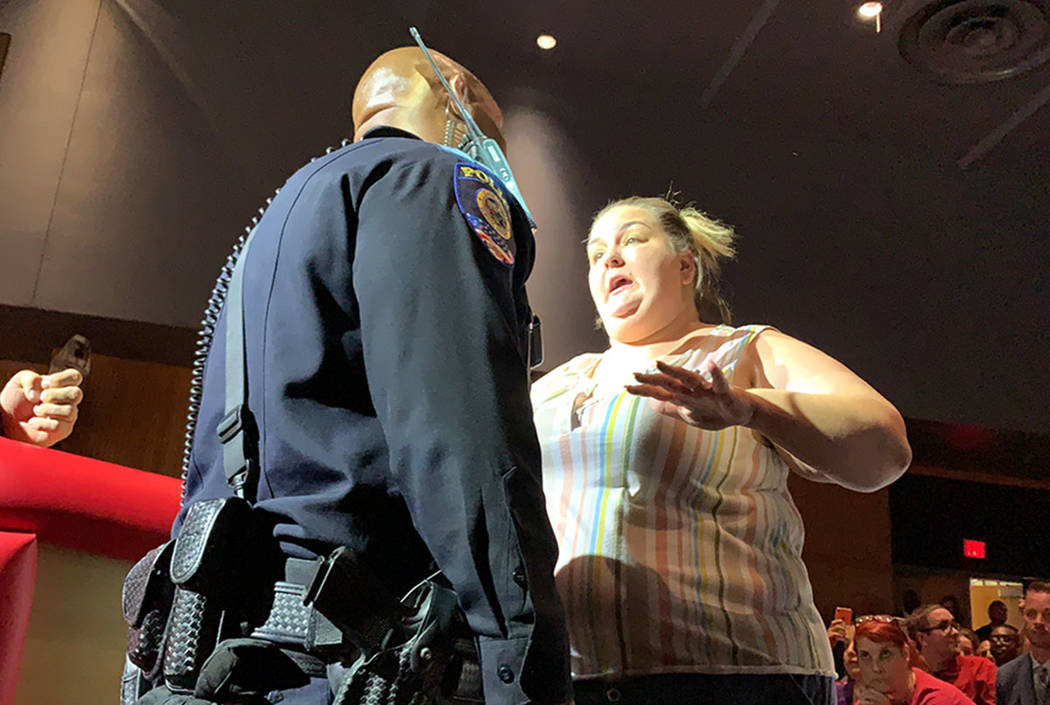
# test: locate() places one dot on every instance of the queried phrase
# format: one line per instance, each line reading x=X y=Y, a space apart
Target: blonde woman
x=665 y=470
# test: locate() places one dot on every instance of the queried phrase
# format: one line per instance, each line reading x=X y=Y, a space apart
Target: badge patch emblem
x=480 y=198
x=495 y=212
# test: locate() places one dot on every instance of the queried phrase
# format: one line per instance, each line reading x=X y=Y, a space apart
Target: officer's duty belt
x=293 y=625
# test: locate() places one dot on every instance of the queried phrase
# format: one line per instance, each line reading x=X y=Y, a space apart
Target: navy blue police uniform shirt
x=385 y=328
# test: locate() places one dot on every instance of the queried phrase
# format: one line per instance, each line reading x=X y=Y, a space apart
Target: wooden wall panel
x=847 y=550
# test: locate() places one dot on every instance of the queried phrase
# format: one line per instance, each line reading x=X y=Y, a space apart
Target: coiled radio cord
x=207 y=334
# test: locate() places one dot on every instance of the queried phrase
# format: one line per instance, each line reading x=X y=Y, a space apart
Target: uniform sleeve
x=440 y=328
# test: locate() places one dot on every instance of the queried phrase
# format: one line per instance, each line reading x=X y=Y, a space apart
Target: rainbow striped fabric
x=680 y=549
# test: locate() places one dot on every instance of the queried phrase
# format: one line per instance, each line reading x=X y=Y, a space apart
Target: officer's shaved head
x=400 y=89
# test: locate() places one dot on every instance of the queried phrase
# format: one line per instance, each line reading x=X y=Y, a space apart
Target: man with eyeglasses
x=935 y=631
x=1026 y=679
x=1005 y=644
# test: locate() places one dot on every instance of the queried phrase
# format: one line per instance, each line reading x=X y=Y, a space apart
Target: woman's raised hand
x=685 y=394
x=863 y=695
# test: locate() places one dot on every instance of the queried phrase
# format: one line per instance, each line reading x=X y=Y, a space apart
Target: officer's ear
x=461 y=87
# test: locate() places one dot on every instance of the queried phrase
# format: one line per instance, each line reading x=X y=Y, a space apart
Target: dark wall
x=931 y=517
x=138 y=138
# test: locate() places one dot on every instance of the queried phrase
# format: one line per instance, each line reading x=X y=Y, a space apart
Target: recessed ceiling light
x=546 y=42
x=869 y=10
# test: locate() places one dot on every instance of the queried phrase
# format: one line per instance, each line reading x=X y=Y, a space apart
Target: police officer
x=385 y=325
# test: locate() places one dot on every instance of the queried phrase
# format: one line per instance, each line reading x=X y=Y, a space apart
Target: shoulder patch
x=480 y=197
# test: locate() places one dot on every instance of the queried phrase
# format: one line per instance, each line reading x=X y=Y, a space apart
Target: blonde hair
x=691 y=230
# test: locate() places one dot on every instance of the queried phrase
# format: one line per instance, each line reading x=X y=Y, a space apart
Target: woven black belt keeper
x=290 y=622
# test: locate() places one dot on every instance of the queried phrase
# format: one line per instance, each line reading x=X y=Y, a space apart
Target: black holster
x=418 y=650
x=218 y=615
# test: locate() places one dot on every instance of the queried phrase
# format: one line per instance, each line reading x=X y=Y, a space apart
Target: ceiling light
x=869 y=10
x=546 y=42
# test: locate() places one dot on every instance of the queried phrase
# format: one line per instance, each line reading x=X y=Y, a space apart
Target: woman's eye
x=596 y=255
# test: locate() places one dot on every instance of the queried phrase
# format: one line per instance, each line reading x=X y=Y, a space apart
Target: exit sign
x=973 y=549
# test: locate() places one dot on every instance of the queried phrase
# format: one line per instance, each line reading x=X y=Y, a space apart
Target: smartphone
x=76 y=353
x=845 y=614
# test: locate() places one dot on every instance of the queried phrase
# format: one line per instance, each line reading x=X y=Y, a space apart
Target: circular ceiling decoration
x=977 y=41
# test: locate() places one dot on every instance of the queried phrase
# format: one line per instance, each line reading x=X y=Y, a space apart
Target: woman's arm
x=823 y=417
x=827 y=422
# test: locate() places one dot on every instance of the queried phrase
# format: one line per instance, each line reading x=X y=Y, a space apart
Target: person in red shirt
x=886 y=675
x=936 y=632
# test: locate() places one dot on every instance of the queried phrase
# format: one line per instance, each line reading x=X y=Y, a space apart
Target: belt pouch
x=213 y=565
x=146 y=601
x=193 y=631
x=218 y=551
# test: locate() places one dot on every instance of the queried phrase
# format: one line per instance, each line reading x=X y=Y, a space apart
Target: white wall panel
x=134 y=233
x=39 y=92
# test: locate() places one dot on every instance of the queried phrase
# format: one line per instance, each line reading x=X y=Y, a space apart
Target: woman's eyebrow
x=620 y=228
x=629 y=223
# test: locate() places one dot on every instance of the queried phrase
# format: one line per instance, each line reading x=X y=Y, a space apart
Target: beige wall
x=984 y=592
x=74 y=651
x=42 y=81
x=109 y=157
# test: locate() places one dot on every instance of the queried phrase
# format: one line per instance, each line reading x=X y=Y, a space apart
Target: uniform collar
x=388 y=131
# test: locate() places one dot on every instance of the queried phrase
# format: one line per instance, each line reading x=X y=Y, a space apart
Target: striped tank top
x=680 y=548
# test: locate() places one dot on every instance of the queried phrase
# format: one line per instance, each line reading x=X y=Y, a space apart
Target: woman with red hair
x=887 y=672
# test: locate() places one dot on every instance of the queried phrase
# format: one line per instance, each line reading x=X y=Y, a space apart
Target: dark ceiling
x=837 y=161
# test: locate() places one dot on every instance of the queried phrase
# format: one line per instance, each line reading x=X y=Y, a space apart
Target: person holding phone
x=840 y=634
x=40 y=409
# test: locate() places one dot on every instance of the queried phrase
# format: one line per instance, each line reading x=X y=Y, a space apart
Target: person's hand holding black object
x=40 y=409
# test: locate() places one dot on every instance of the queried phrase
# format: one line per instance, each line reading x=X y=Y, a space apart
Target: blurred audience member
x=996 y=616
x=886 y=674
x=910 y=601
x=40 y=409
x=844 y=686
x=840 y=634
x=1026 y=679
x=936 y=632
x=984 y=649
x=1005 y=644
x=968 y=642
x=951 y=603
